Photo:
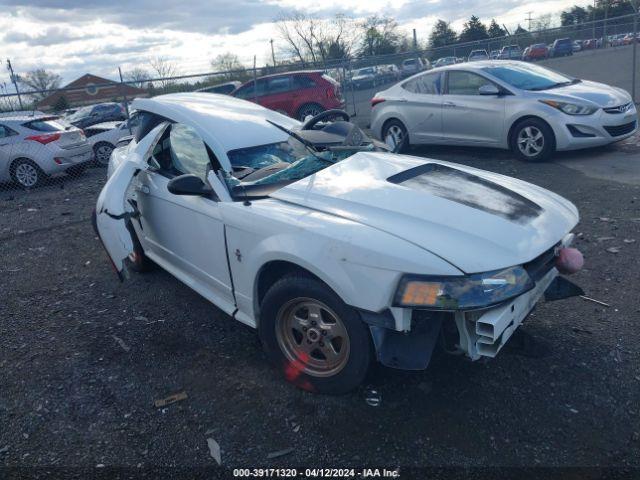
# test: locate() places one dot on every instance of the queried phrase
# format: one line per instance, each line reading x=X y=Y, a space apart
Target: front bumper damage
x=480 y=333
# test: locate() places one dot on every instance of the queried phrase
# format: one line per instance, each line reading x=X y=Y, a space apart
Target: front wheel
x=319 y=343
x=532 y=140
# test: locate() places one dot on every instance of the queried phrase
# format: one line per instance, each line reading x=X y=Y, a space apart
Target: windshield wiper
x=309 y=146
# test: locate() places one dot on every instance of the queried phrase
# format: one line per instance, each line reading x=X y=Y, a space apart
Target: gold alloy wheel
x=310 y=334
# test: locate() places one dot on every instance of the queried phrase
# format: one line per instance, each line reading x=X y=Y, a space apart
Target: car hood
x=598 y=93
x=476 y=220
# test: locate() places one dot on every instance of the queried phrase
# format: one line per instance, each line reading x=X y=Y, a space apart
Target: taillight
x=44 y=139
x=375 y=101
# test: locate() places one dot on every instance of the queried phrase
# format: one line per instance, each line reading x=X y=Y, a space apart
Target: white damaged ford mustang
x=338 y=251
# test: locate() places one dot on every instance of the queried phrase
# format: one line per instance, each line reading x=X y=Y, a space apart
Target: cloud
x=51 y=36
x=204 y=16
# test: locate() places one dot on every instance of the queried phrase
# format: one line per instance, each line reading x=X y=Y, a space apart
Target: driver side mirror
x=189 y=184
x=488 y=89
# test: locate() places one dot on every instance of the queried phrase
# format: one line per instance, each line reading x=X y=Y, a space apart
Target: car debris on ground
x=177 y=397
x=214 y=450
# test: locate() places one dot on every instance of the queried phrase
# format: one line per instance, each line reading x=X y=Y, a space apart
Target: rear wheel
x=532 y=140
x=395 y=135
x=319 y=343
x=102 y=151
x=307 y=109
x=27 y=173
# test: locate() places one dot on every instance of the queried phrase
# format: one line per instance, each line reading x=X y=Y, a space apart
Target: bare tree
x=39 y=79
x=543 y=22
x=164 y=69
x=137 y=76
x=315 y=40
x=7 y=104
x=228 y=63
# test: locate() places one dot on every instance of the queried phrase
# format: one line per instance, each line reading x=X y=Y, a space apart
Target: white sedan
x=104 y=137
x=336 y=250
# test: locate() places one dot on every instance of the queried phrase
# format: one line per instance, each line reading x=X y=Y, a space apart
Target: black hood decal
x=470 y=190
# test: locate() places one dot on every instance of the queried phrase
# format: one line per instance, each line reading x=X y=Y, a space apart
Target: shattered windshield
x=290 y=160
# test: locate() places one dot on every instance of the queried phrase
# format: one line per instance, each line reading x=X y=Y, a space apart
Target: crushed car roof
x=225 y=123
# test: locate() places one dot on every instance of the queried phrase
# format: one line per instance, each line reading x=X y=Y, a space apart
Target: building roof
x=91 y=89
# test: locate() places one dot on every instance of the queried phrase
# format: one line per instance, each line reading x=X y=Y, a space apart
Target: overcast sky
x=73 y=37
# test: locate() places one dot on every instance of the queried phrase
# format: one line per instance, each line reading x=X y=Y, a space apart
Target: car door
x=422 y=107
x=467 y=116
x=184 y=233
x=277 y=93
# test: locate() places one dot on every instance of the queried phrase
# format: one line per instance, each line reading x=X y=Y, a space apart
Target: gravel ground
x=83 y=358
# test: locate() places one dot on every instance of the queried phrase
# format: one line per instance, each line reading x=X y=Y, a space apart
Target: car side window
x=302 y=81
x=6 y=132
x=188 y=151
x=465 y=83
x=428 y=84
x=278 y=85
x=247 y=92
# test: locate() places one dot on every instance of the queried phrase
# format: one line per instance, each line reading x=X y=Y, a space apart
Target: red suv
x=297 y=94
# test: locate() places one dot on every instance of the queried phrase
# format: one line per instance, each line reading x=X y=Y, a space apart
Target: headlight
x=571 y=108
x=464 y=292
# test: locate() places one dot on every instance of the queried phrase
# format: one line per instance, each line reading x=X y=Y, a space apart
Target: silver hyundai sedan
x=513 y=105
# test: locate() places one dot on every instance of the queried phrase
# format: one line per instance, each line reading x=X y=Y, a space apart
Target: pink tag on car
x=569 y=260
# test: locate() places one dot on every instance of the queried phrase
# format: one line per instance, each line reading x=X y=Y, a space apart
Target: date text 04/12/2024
x=316 y=473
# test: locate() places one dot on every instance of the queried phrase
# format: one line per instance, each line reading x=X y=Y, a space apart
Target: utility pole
x=273 y=55
x=415 y=49
x=528 y=19
x=14 y=79
x=604 y=33
x=594 y=19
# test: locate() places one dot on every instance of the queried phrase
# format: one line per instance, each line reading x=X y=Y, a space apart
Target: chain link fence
x=43 y=144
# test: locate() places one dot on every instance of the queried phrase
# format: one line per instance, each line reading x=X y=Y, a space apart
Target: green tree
x=442 y=34
x=495 y=30
x=473 y=30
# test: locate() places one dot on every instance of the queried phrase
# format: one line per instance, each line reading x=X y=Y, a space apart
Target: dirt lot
x=83 y=357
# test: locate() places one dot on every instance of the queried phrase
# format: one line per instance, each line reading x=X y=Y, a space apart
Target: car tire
x=393 y=133
x=26 y=173
x=312 y=337
x=532 y=140
x=102 y=152
x=307 y=109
